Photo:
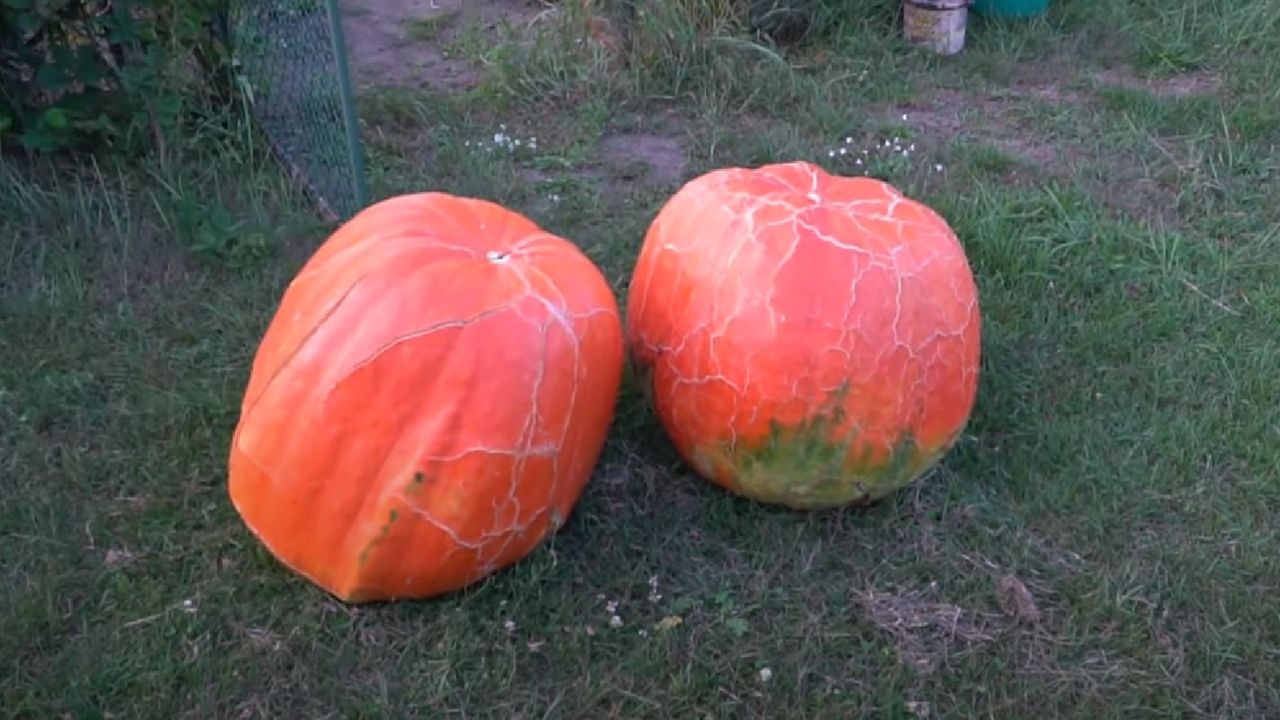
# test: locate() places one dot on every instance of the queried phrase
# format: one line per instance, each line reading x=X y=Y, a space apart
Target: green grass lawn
x=1103 y=542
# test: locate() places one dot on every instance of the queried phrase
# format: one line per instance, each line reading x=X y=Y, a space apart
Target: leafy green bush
x=84 y=73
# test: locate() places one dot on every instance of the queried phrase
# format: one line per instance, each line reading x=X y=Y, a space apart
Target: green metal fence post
x=350 y=119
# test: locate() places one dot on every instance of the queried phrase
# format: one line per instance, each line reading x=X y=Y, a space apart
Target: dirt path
x=405 y=42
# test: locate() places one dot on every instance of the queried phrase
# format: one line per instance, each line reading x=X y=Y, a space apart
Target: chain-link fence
x=292 y=68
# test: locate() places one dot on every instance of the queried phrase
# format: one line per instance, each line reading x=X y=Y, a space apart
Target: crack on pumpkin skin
x=798 y=286
x=461 y=509
x=491 y=545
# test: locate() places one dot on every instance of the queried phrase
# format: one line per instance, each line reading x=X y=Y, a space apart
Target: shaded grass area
x=1102 y=542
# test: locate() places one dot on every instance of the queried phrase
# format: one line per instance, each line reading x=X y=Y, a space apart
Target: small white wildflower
x=615 y=622
x=765 y=674
x=844 y=151
x=509 y=626
x=831 y=153
x=937 y=168
x=848 y=141
x=912 y=148
x=858 y=161
x=904 y=117
x=611 y=606
x=643 y=633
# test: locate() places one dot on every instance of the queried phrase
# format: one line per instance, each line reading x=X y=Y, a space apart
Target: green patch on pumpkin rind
x=382 y=534
x=804 y=467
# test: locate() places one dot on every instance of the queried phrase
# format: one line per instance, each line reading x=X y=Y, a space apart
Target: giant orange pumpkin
x=429 y=400
x=806 y=339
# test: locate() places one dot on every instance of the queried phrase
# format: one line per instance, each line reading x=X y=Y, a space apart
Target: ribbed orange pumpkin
x=806 y=339
x=428 y=401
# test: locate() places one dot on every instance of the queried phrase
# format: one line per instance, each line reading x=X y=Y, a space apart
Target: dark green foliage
x=76 y=72
x=793 y=20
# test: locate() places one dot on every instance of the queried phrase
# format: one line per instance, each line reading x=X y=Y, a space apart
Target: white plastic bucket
x=936 y=24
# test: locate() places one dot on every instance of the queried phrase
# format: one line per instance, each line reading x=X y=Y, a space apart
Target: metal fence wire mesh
x=292 y=68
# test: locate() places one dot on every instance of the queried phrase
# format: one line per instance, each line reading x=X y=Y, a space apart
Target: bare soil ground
x=405 y=42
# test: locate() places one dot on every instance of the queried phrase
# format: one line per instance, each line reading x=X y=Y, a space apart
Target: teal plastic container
x=1011 y=8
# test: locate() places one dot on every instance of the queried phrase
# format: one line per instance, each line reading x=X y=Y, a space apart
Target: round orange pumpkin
x=806 y=339
x=429 y=400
